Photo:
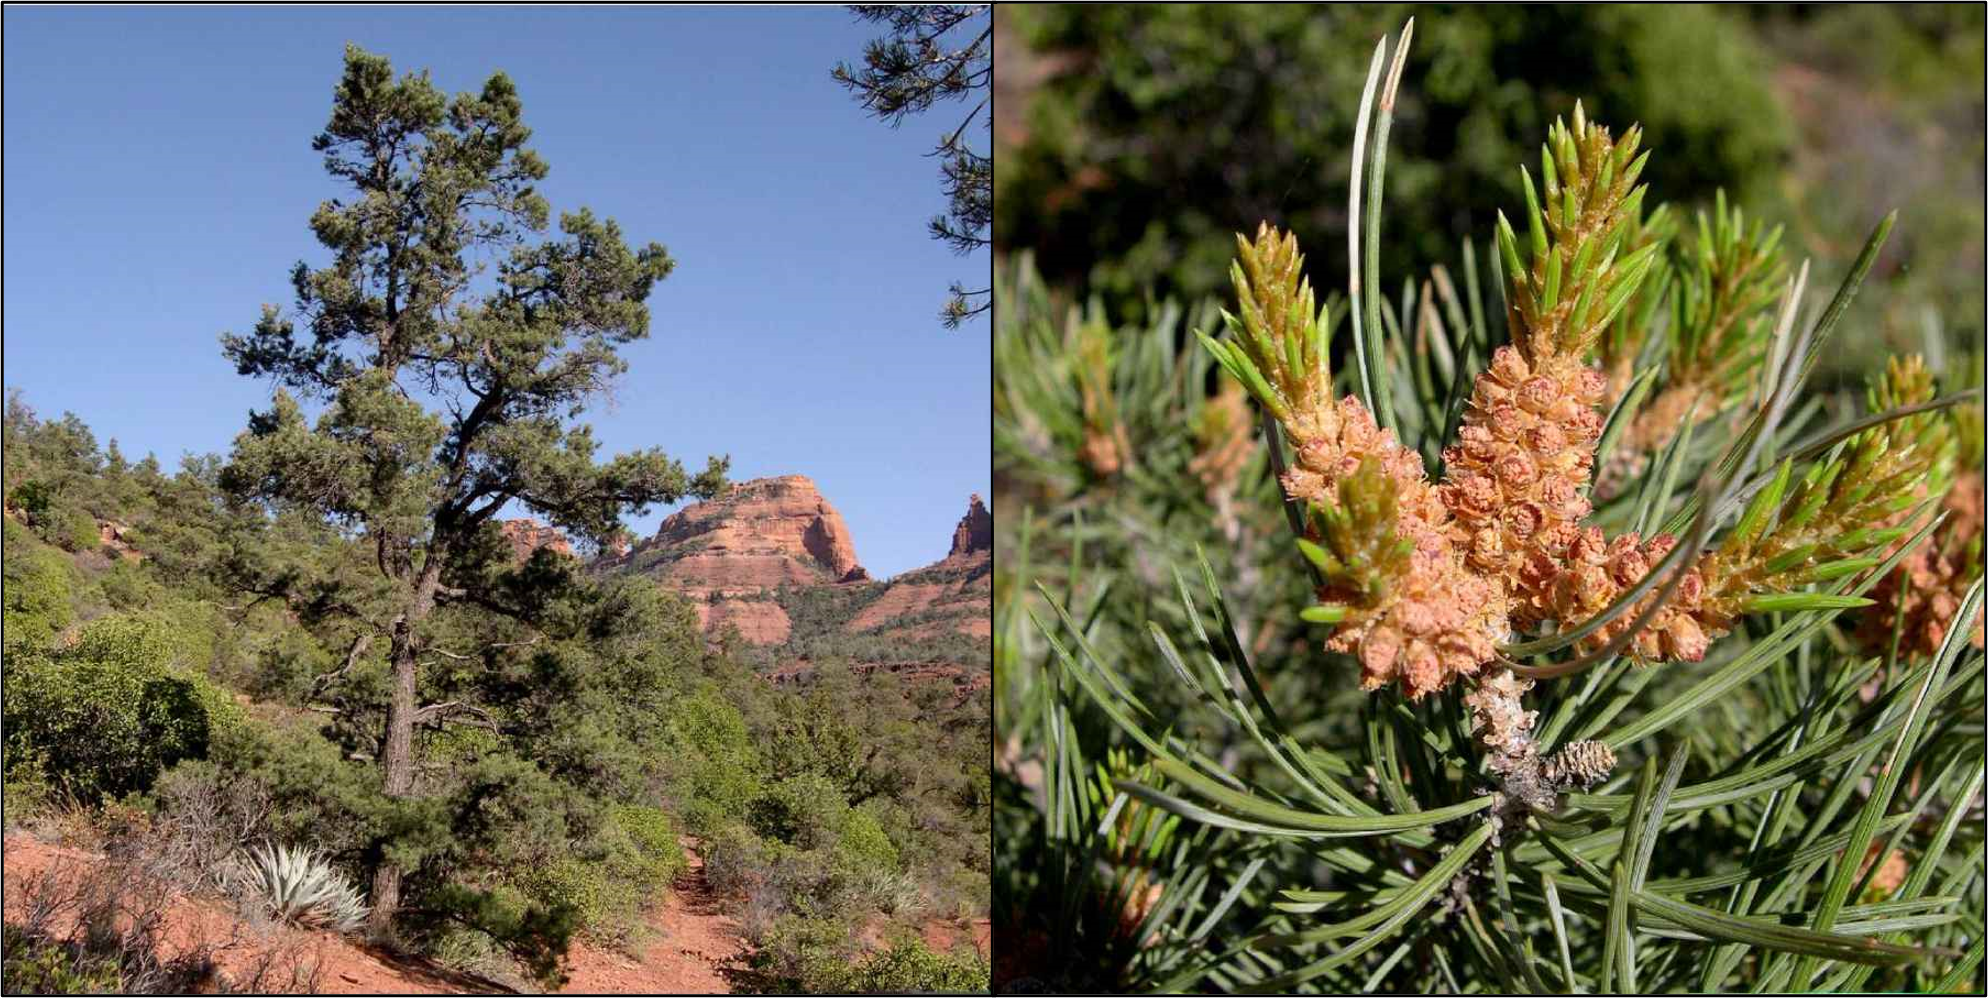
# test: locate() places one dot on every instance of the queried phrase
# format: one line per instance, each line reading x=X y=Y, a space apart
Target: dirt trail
x=692 y=943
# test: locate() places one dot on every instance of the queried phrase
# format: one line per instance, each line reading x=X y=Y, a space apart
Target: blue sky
x=159 y=177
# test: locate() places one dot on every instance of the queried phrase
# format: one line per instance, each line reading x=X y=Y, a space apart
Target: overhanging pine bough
x=1441 y=586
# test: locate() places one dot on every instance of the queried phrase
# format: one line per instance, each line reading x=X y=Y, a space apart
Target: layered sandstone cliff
x=775 y=546
x=732 y=554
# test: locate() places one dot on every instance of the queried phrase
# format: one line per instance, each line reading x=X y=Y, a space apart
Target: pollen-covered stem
x=1503 y=729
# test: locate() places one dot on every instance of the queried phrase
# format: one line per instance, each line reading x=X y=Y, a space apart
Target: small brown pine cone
x=1583 y=764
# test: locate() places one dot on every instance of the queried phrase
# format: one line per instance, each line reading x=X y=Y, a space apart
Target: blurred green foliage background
x=1133 y=141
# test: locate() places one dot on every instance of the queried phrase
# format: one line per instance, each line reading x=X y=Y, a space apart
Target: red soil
x=691 y=944
x=691 y=947
x=286 y=956
x=941 y=937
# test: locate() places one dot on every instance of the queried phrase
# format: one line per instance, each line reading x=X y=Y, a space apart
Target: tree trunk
x=397 y=758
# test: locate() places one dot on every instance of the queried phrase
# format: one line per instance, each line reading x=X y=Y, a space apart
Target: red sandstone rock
x=760 y=621
x=528 y=535
x=115 y=537
x=761 y=533
x=964 y=598
x=975 y=531
x=953 y=594
x=729 y=554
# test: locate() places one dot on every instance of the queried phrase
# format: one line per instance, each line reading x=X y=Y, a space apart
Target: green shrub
x=76 y=530
x=537 y=936
x=639 y=857
x=722 y=776
x=318 y=796
x=25 y=792
x=816 y=956
x=864 y=844
x=31 y=497
x=734 y=859
x=652 y=856
x=868 y=866
x=40 y=584
x=38 y=966
x=106 y=717
x=907 y=966
x=805 y=811
x=129 y=585
x=583 y=887
x=794 y=949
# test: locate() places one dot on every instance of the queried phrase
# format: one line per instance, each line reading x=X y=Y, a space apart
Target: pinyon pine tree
x=1484 y=802
x=443 y=393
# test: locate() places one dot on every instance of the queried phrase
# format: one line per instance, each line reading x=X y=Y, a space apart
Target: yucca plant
x=1590 y=700
x=299 y=885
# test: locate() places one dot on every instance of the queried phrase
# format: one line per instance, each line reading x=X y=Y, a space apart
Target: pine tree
x=443 y=394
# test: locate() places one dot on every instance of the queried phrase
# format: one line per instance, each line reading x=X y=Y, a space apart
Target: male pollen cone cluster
x=1499 y=546
x=1930 y=582
x=1422 y=617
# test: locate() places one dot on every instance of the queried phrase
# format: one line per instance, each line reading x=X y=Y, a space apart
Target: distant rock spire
x=975 y=531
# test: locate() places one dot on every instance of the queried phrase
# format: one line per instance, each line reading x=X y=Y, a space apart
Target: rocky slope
x=954 y=594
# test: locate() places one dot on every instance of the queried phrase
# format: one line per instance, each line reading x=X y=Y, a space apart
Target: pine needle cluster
x=1658 y=648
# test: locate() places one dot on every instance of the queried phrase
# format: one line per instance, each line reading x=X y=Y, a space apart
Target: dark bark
x=397 y=755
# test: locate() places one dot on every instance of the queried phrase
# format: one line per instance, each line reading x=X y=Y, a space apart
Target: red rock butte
x=733 y=556
x=729 y=553
x=761 y=533
x=528 y=535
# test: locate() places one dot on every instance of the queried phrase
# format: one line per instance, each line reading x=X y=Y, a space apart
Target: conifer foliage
x=934 y=54
x=1626 y=719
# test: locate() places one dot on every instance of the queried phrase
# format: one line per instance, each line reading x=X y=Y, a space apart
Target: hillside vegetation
x=319 y=675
